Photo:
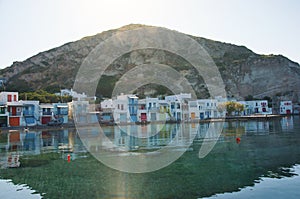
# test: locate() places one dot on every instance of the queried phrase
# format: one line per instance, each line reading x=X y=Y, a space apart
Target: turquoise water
x=265 y=163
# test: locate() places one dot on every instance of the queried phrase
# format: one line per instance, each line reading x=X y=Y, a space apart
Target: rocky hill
x=243 y=71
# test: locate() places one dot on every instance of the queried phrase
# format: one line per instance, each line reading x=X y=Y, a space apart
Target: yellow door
x=193 y=115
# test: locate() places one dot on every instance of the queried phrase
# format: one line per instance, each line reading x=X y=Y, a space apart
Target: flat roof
x=46 y=106
x=62 y=106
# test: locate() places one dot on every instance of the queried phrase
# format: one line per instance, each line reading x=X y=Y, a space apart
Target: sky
x=28 y=27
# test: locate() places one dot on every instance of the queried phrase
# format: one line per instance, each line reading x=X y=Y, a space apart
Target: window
x=9 y=98
x=15 y=98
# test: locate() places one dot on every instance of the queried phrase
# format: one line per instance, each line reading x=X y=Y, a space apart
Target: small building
x=207 y=108
x=142 y=111
x=31 y=112
x=153 y=107
x=46 y=113
x=258 y=107
x=61 y=112
x=133 y=107
x=126 y=108
x=164 y=113
x=15 y=110
x=247 y=110
x=177 y=104
x=107 y=108
x=286 y=107
x=9 y=96
x=4 y=115
x=80 y=111
x=194 y=112
x=74 y=94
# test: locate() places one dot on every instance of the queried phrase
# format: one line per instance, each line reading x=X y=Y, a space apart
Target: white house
x=107 y=109
x=258 y=107
x=9 y=96
x=286 y=107
x=74 y=94
x=153 y=107
x=107 y=104
x=194 y=112
x=126 y=107
x=208 y=108
x=178 y=106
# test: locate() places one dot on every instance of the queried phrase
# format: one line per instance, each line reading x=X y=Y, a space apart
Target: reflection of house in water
x=203 y=127
x=35 y=142
x=62 y=140
x=210 y=130
x=257 y=127
x=287 y=123
x=23 y=142
x=153 y=136
x=48 y=140
x=138 y=137
x=14 y=141
x=32 y=142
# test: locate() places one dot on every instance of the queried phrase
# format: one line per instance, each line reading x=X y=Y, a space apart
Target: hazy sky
x=32 y=26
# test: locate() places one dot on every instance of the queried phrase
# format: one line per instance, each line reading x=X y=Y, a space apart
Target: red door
x=143 y=117
x=288 y=112
x=14 y=121
x=13 y=110
x=45 y=120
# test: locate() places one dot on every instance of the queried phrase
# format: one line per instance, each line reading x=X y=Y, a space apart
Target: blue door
x=201 y=116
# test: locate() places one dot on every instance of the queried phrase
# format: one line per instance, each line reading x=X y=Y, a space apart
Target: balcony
x=15 y=114
x=153 y=109
x=28 y=113
x=47 y=113
x=62 y=112
x=2 y=112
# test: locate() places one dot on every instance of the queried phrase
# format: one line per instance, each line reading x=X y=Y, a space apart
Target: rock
x=243 y=71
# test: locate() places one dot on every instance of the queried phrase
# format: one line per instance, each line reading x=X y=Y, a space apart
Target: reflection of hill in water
x=228 y=167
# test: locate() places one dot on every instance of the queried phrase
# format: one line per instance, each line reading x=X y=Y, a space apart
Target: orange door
x=14 y=121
